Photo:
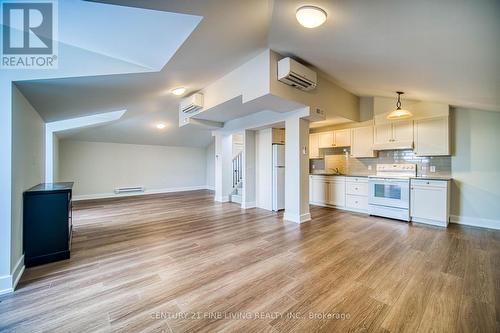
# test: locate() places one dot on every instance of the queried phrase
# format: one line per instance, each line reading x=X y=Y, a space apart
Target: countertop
x=426 y=177
x=335 y=174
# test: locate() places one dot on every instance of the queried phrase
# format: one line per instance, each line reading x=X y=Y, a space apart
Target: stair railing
x=237 y=169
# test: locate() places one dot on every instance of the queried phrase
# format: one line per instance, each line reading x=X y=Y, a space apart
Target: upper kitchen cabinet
x=362 y=142
x=339 y=138
x=278 y=136
x=314 y=151
x=432 y=137
x=325 y=139
x=393 y=135
x=342 y=138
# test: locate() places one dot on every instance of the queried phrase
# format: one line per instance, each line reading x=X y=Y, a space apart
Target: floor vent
x=129 y=189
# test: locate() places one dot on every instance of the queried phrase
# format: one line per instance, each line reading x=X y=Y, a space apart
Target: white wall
x=210 y=175
x=28 y=166
x=5 y=184
x=97 y=168
x=55 y=158
x=264 y=168
x=475 y=167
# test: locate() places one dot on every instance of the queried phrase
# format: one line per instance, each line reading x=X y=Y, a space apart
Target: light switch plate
x=369 y=167
x=432 y=168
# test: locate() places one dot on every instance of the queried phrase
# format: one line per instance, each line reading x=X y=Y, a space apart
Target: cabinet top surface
x=48 y=187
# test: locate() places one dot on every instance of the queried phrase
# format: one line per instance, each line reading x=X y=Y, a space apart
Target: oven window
x=388 y=191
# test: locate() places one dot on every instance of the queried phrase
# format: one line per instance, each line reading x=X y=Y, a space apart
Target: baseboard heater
x=129 y=189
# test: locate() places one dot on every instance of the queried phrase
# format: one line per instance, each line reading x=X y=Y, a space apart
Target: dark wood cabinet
x=47 y=223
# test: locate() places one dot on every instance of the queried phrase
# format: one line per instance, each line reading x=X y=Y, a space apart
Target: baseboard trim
x=222 y=199
x=296 y=218
x=18 y=272
x=210 y=187
x=247 y=205
x=157 y=191
x=8 y=283
x=475 y=222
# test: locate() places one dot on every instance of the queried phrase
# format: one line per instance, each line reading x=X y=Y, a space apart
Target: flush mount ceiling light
x=399 y=113
x=160 y=126
x=310 y=16
x=178 y=91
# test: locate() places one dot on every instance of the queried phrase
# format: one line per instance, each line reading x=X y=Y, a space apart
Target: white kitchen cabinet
x=402 y=131
x=327 y=190
x=318 y=189
x=430 y=201
x=314 y=151
x=362 y=142
x=432 y=137
x=278 y=136
x=325 y=139
x=393 y=135
x=336 y=191
x=338 y=138
x=342 y=138
x=357 y=194
x=382 y=133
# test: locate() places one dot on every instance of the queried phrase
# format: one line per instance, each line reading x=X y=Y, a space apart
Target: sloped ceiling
x=219 y=44
x=442 y=51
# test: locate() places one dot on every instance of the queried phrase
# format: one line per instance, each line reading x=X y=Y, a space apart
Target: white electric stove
x=389 y=191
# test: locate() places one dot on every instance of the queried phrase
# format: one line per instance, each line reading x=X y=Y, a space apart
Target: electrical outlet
x=369 y=167
x=313 y=166
x=432 y=168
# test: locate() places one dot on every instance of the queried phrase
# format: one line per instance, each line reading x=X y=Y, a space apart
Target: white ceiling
x=443 y=51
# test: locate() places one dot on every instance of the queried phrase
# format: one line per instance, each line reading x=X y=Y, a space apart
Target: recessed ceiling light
x=310 y=16
x=160 y=126
x=178 y=91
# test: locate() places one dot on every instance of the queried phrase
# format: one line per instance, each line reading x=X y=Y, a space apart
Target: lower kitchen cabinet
x=429 y=198
x=430 y=201
x=336 y=191
x=327 y=190
x=357 y=194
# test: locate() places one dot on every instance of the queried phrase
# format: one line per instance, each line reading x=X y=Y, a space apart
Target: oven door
x=389 y=192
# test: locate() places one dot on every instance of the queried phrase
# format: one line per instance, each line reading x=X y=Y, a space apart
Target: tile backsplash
x=339 y=158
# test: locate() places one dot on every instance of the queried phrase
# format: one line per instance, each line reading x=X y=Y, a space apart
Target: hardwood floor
x=183 y=263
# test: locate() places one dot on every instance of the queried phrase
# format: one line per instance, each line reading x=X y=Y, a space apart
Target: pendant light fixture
x=399 y=113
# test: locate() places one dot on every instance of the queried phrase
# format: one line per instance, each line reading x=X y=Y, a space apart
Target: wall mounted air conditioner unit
x=192 y=103
x=296 y=75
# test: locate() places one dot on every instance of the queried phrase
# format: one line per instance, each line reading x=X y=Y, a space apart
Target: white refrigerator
x=278 y=177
